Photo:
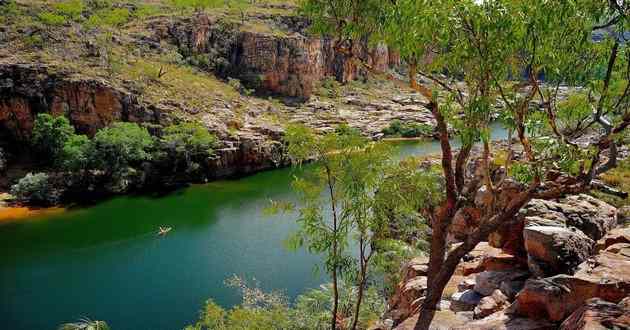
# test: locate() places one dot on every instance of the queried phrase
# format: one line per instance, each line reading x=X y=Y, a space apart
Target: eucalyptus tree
x=480 y=56
x=348 y=170
x=354 y=181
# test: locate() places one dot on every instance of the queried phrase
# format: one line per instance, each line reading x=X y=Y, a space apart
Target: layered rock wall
x=286 y=64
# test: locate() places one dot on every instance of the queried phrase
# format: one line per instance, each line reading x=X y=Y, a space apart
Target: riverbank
x=10 y=213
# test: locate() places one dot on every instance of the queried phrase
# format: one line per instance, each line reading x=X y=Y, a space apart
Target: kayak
x=164 y=231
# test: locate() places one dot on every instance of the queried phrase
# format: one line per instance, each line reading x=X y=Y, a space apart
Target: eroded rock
x=488 y=281
x=598 y=314
x=606 y=276
x=555 y=250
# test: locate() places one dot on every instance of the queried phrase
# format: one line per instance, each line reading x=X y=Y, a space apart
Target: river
x=106 y=262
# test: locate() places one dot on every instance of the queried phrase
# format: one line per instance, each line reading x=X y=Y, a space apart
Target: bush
x=76 y=153
x=189 y=139
x=121 y=145
x=109 y=17
x=50 y=134
x=36 y=188
x=398 y=128
x=52 y=19
x=71 y=9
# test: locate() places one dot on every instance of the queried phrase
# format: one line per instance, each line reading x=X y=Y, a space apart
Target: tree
x=190 y=142
x=354 y=175
x=50 y=134
x=121 y=145
x=477 y=54
x=76 y=153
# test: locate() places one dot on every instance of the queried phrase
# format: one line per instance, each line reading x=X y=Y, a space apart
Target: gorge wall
x=286 y=64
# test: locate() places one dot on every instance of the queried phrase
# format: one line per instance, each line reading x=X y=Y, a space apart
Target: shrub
x=75 y=154
x=50 y=134
x=36 y=188
x=71 y=9
x=52 y=19
x=398 y=128
x=121 y=145
x=189 y=139
x=109 y=17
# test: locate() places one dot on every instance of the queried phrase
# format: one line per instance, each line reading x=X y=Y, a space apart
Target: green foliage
x=8 y=11
x=197 y=5
x=330 y=87
x=34 y=40
x=71 y=9
x=76 y=153
x=52 y=19
x=50 y=134
x=35 y=188
x=408 y=130
x=270 y=310
x=187 y=143
x=189 y=140
x=573 y=112
x=121 y=145
x=114 y=17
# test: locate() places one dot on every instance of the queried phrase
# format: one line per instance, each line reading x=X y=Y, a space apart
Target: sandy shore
x=11 y=213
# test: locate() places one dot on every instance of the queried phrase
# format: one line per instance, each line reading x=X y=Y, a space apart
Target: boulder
x=590 y=215
x=488 y=281
x=619 y=248
x=502 y=262
x=491 y=304
x=607 y=276
x=465 y=301
x=619 y=235
x=467 y=283
x=504 y=321
x=511 y=288
x=443 y=320
x=555 y=250
x=599 y=314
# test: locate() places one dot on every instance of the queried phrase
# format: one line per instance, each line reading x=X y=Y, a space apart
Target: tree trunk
x=362 y=279
x=333 y=322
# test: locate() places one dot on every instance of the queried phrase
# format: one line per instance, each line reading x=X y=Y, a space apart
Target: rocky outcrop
x=546 y=268
x=615 y=236
x=590 y=216
x=503 y=321
x=555 y=250
x=89 y=104
x=599 y=314
x=288 y=64
x=606 y=276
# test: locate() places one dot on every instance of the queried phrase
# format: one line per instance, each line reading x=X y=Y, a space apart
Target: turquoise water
x=107 y=263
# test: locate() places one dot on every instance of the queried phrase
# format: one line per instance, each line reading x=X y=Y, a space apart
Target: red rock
x=598 y=314
x=607 y=276
x=488 y=281
x=490 y=304
x=619 y=235
x=503 y=321
x=555 y=250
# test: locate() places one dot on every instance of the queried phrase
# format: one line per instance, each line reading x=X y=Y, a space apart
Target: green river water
x=106 y=262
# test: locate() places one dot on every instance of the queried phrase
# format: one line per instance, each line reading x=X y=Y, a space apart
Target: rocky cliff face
x=90 y=104
x=286 y=64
